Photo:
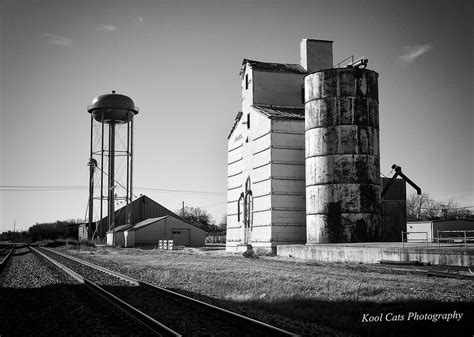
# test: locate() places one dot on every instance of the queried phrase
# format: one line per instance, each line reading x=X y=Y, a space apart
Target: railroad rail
x=415 y=267
x=155 y=327
x=179 y=313
x=4 y=261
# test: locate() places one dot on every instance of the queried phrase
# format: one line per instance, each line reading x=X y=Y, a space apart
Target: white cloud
x=414 y=51
x=58 y=40
x=107 y=28
x=140 y=19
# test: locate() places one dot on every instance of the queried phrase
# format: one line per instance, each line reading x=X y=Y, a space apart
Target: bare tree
x=423 y=207
x=223 y=222
x=452 y=210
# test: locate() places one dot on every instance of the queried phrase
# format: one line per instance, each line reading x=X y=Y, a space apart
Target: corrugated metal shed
x=274 y=67
x=151 y=231
x=394 y=210
x=142 y=208
x=281 y=112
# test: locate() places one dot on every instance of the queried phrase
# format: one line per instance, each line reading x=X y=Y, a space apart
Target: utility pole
x=183 y=210
x=92 y=165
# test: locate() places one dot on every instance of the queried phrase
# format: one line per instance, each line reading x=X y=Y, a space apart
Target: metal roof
x=274 y=67
x=281 y=112
x=142 y=208
x=147 y=222
x=121 y=228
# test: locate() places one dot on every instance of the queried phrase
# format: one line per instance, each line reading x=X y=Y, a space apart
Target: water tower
x=111 y=158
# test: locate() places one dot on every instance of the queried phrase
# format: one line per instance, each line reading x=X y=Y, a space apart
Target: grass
x=305 y=296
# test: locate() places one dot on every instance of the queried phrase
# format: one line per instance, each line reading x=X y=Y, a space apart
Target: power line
x=42 y=188
x=31 y=188
x=219 y=203
x=179 y=191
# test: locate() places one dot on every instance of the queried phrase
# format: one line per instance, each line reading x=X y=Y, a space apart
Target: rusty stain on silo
x=342 y=156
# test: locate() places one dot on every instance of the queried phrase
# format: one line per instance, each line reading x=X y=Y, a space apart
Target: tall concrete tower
x=111 y=119
x=342 y=156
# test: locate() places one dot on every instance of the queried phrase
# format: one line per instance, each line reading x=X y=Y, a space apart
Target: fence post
x=465 y=239
x=403 y=242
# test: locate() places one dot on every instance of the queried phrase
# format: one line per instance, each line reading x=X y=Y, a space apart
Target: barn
x=150 y=231
x=142 y=208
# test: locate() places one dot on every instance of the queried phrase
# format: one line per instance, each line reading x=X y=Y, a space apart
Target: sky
x=180 y=61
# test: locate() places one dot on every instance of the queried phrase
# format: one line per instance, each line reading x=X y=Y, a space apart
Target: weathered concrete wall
x=375 y=254
x=342 y=156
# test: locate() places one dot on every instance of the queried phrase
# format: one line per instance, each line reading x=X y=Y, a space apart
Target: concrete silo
x=342 y=156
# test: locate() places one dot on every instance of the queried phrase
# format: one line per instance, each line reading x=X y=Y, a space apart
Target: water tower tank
x=342 y=156
x=113 y=108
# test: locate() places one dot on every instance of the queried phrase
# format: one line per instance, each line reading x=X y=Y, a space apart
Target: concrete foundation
x=376 y=252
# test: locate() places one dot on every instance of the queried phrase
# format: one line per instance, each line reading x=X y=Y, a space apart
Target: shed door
x=180 y=236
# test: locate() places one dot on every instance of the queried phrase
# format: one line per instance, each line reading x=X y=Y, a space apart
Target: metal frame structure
x=112 y=115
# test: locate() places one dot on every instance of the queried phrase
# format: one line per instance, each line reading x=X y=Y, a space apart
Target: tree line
x=66 y=229
x=423 y=207
x=201 y=218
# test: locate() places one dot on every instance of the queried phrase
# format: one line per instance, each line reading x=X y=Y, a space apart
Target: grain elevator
x=303 y=153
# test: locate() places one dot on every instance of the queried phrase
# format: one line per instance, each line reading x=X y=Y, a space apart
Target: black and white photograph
x=236 y=168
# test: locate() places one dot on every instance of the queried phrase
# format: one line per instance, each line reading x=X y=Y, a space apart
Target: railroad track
x=161 y=311
x=428 y=270
x=44 y=301
x=5 y=254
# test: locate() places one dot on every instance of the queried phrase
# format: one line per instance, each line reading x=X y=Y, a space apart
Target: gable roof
x=148 y=222
x=273 y=67
x=280 y=112
x=142 y=208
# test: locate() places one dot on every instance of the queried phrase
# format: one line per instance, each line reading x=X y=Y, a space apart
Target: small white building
x=266 y=152
x=150 y=231
x=419 y=231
